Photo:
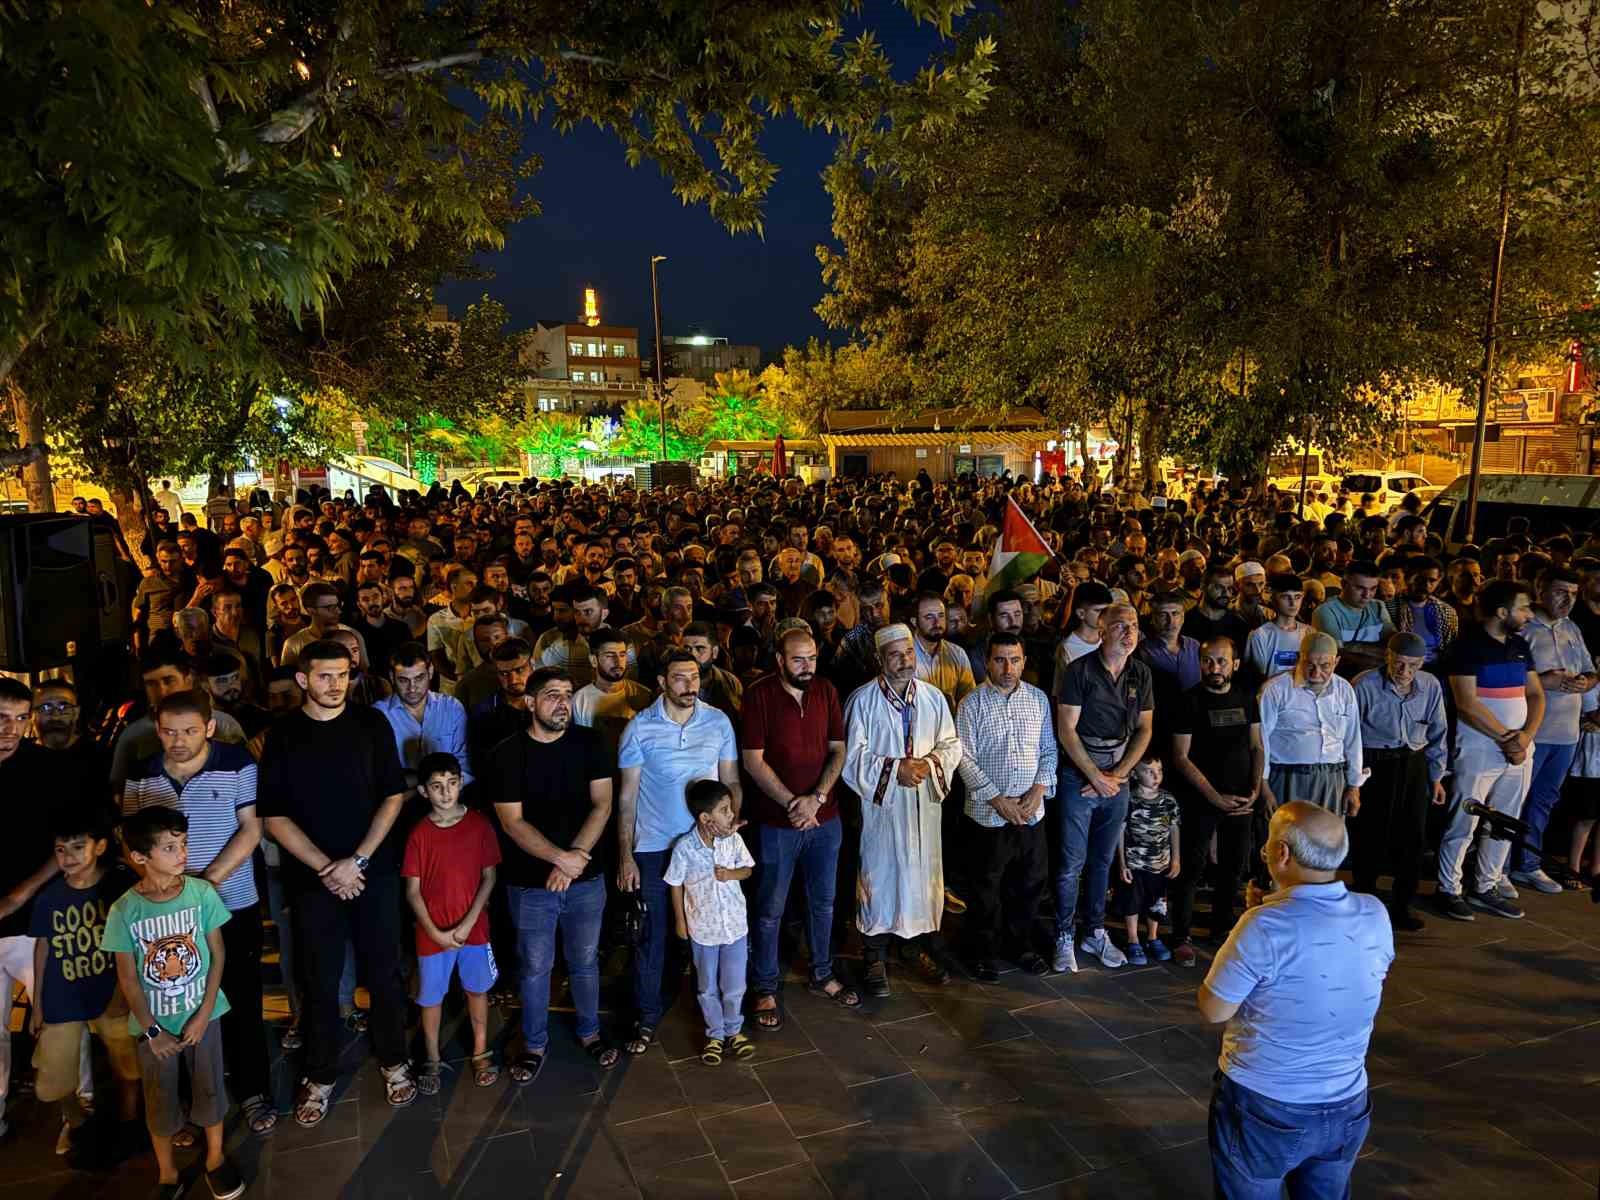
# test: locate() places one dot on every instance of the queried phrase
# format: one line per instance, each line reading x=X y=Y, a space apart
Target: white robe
x=900 y=887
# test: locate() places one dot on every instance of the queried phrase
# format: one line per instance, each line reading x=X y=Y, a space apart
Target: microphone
x=1502 y=826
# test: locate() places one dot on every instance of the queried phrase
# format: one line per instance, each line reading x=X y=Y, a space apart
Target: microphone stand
x=1503 y=828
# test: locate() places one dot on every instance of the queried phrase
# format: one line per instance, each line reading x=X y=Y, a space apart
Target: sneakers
x=1538 y=881
x=984 y=970
x=1136 y=955
x=225 y=1182
x=1505 y=890
x=1098 y=945
x=1454 y=907
x=877 y=980
x=1405 y=921
x=932 y=970
x=1184 y=955
x=1494 y=902
x=1065 y=960
x=1033 y=963
x=1157 y=950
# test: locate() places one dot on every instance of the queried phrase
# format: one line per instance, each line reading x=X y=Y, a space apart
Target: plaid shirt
x=1008 y=744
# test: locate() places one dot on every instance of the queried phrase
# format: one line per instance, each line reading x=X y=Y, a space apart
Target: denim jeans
x=719 y=977
x=779 y=852
x=1550 y=767
x=1090 y=827
x=578 y=913
x=1258 y=1145
x=650 y=954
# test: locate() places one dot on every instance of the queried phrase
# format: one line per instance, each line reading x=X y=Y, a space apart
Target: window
x=595 y=351
x=597 y=376
x=577 y=376
x=575 y=349
x=549 y=403
x=618 y=350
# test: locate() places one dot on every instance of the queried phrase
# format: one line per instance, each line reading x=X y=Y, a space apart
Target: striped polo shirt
x=1500 y=671
x=211 y=799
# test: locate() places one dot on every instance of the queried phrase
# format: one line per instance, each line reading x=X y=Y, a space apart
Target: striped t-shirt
x=211 y=799
x=1500 y=671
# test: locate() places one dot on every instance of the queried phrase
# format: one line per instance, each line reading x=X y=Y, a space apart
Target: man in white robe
x=901 y=757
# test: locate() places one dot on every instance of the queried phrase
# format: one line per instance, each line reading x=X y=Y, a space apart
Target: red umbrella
x=780 y=460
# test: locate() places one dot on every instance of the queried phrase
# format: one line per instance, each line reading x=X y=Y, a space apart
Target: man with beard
x=1008 y=762
x=332 y=786
x=403 y=606
x=478 y=684
x=165 y=670
x=1214 y=615
x=793 y=753
x=676 y=615
x=719 y=688
x=566 y=646
x=857 y=660
x=424 y=721
x=901 y=755
x=321 y=601
x=675 y=741
x=252 y=583
x=626 y=603
x=1311 y=734
x=451 y=624
x=491 y=721
x=1005 y=616
x=1216 y=767
x=551 y=790
x=162 y=592
x=231 y=634
x=1104 y=719
x=610 y=700
x=214 y=785
x=939 y=663
x=225 y=685
x=381 y=633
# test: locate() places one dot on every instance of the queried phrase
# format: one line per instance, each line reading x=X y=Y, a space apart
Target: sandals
x=428 y=1073
x=769 y=1020
x=399 y=1086
x=355 y=1021
x=484 y=1072
x=712 y=1054
x=185 y=1138
x=643 y=1038
x=741 y=1045
x=292 y=1039
x=526 y=1066
x=605 y=1055
x=311 y=1103
x=843 y=996
x=259 y=1115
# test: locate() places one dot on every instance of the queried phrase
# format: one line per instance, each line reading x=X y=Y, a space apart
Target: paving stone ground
x=1485 y=1068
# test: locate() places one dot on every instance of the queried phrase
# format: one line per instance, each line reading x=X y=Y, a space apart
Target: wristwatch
x=152 y=1033
x=361 y=861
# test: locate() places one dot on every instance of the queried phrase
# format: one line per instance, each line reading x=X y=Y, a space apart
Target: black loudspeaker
x=647 y=477
x=65 y=590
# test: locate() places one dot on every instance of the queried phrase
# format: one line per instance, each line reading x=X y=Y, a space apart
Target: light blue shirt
x=670 y=757
x=1415 y=721
x=1558 y=646
x=443 y=728
x=1306 y=968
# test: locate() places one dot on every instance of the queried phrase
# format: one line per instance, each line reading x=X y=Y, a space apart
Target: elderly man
x=1403 y=741
x=1290 y=1105
x=1311 y=733
x=1104 y=704
x=1008 y=761
x=901 y=755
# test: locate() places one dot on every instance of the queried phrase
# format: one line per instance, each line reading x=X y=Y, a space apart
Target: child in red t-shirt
x=449 y=869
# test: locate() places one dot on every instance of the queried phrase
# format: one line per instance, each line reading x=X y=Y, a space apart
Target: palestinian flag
x=1019 y=552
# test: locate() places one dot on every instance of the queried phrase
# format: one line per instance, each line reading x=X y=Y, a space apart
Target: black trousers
x=875 y=946
x=1005 y=881
x=244 y=1033
x=1387 y=833
x=1198 y=820
x=372 y=922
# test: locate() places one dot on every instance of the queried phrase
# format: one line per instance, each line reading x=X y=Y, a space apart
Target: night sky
x=602 y=221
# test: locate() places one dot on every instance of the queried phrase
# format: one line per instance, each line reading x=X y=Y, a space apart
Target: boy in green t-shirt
x=166 y=932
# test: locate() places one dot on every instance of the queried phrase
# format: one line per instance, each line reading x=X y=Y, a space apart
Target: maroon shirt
x=793 y=741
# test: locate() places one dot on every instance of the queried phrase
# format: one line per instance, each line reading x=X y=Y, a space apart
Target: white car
x=1387 y=487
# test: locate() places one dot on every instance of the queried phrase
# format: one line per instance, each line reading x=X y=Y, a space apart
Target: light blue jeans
x=719 y=972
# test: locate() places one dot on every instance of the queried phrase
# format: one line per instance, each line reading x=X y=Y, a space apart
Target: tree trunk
x=132 y=516
x=1152 y=441
x=36 y=477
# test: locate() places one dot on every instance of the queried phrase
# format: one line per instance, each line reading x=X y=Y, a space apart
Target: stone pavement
x=1485 y=1067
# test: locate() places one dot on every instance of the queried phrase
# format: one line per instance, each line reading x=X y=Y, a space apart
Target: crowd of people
x=433 y=738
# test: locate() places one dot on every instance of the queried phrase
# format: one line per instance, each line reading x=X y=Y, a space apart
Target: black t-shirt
x=1218 y=725
x=551 y=781
x=30 y=785
x=1588 y=623
x=1108 y=708
x=1230 y=625
x=329 y=778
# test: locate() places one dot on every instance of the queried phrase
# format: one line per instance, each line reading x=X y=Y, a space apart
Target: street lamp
x=661 y=395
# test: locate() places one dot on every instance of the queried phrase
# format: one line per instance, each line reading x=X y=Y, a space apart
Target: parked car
x=1552 y=503
x=1387 y=486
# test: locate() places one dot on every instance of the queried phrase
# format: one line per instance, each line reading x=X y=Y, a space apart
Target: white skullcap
x=891 y=633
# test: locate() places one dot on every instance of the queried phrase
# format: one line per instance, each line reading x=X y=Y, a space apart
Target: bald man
x=1298 y=982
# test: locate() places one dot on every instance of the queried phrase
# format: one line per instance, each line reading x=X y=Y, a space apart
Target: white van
x=1387 y=486
x=1552 y=503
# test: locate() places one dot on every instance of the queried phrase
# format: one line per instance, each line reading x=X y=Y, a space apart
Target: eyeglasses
x=56 y=708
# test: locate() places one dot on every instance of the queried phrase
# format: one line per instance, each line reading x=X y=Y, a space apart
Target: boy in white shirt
x=704 y=872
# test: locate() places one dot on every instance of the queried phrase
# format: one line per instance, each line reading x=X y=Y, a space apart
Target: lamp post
x=661 y=394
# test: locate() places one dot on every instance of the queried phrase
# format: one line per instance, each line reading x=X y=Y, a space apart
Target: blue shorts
x=475 y=965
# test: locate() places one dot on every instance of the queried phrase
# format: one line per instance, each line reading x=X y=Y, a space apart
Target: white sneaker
x=1538 y=881
x=1098 y=945
x=1065 y=960
x=1505 y=890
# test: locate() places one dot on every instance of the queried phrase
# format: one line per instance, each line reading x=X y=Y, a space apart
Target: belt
x=1387 y=753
